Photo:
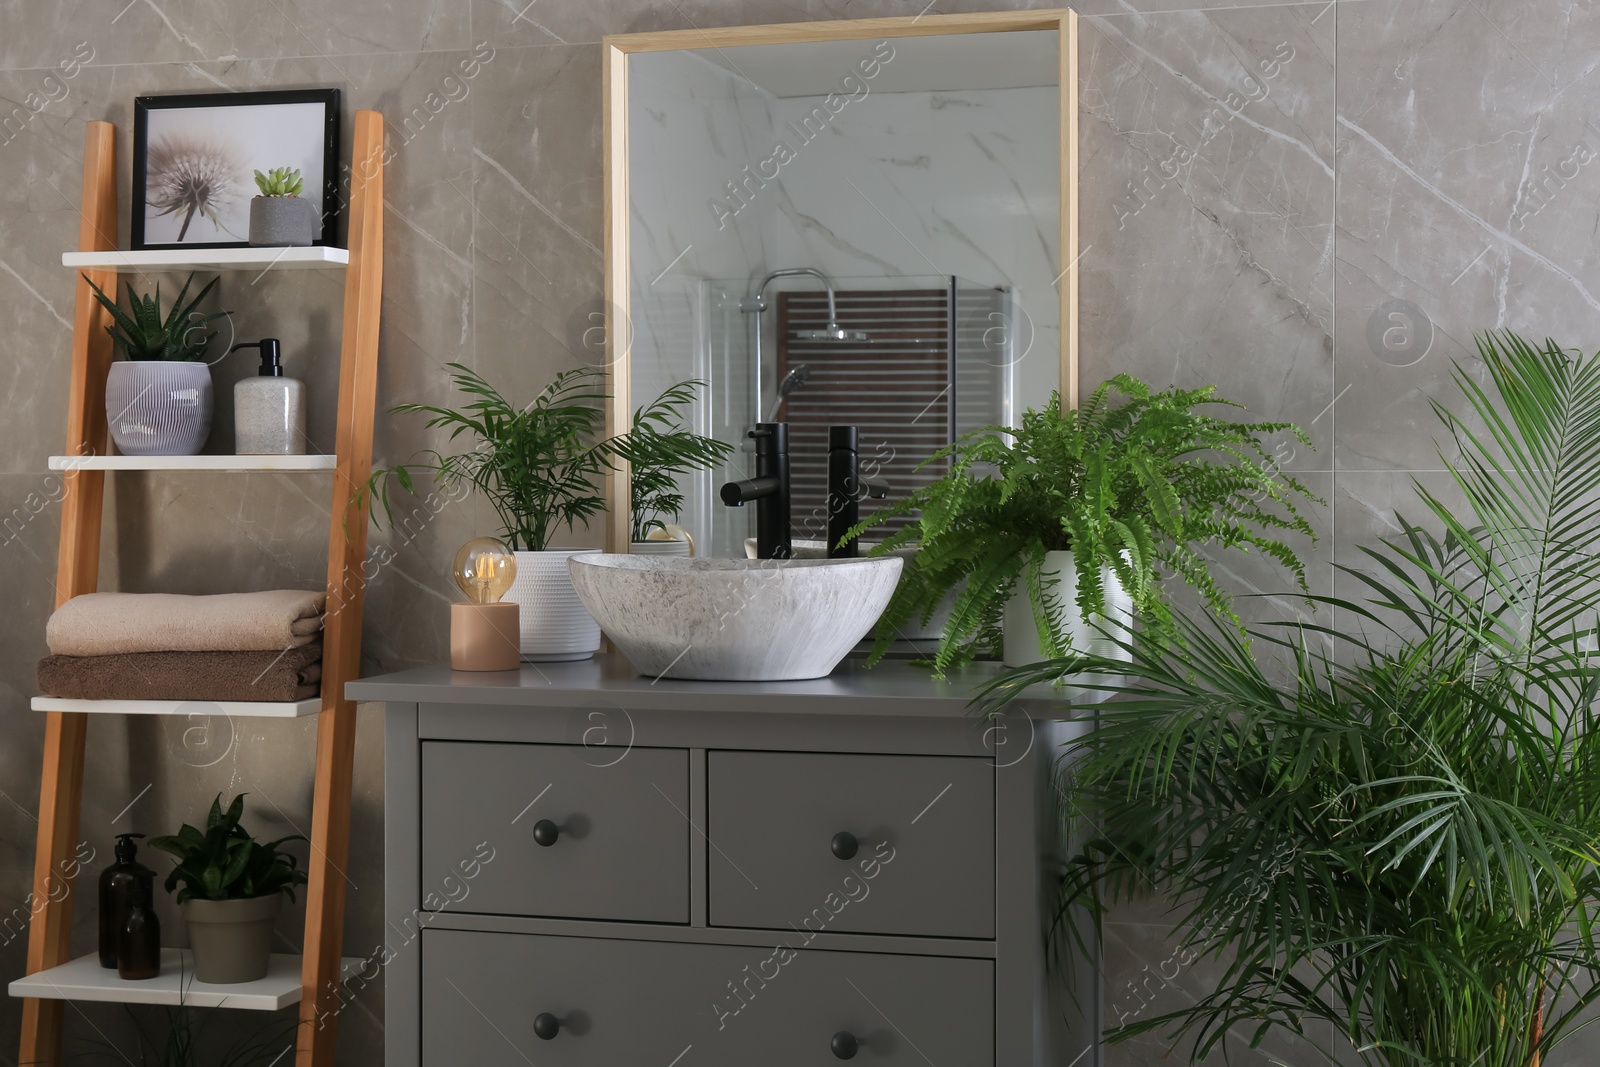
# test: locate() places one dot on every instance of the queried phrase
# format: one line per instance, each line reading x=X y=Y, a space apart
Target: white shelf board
x=263 y=709
x=85 y=979
x=315 y=257
x=193 y=463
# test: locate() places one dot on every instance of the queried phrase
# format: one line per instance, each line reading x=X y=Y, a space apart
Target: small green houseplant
x=658 y=447
x=278 y=217
x=1393 y=825
x=159 y=395
x=1086 y=509
x=231 y=888
x=540 y=468
x=280 y=181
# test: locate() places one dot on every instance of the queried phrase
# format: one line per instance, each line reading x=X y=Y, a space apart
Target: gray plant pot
x=231 y=939
x=277 y=221
x=159 y=407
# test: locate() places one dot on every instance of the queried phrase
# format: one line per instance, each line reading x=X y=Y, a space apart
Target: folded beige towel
x=105 y=624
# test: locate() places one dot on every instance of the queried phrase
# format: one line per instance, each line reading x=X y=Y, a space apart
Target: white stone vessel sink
x=734 y=620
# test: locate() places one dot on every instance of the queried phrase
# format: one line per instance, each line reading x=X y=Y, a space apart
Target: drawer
x=923 y=828
x=621 y=846
x=624 y=1003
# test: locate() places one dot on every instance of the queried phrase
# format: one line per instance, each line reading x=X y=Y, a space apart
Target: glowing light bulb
x=484 y=569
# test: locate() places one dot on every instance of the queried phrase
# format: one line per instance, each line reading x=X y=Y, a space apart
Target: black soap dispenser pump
x=116 y=887
x=269 y=410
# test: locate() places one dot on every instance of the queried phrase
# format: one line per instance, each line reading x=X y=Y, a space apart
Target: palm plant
x=538 y=465
x=658 y=447
x=1398 y=832
x=1134 y=487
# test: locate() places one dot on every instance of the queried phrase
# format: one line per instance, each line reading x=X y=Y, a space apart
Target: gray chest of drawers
x=588 y=869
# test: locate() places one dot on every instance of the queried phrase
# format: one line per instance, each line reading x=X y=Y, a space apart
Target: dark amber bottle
x=116 y=883
x=139 y=943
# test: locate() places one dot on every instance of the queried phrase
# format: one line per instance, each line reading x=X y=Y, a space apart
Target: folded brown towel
x=104 y=624
x=292 y=674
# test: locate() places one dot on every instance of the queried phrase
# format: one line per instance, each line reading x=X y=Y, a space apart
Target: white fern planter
x=1094 y=636
x=556 y=627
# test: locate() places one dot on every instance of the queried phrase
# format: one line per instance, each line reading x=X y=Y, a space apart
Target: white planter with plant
x=232 y=891
x=658 y=448
x=1056 y=535
x=539 y=466
x=279 y=217
x=159 y=395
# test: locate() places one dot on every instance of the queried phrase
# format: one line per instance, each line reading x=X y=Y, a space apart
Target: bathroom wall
x=1312 y=205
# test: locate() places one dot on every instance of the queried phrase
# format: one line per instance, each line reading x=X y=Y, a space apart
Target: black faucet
x=845 y=490
x=769 y=489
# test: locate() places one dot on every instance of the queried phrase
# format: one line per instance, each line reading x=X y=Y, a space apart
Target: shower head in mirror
x=791 y=384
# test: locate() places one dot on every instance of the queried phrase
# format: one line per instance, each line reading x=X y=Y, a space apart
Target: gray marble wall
x=1311 y=205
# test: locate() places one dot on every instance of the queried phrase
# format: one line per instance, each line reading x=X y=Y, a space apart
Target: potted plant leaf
x=1056 y=534
x=278 y=217
x=159 y=397
x=1385 y=833
x=232 y=889
x=540 y=467
x=658 y=448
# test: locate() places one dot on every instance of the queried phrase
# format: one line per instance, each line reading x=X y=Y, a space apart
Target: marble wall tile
x=190 y=31
x=1206 y=188
x=1464 y=202
x=1417 y=150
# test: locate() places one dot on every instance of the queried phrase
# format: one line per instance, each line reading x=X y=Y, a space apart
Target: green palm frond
x=1391 y=824
x=658 y=447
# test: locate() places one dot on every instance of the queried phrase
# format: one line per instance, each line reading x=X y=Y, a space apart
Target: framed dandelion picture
x=195 y=160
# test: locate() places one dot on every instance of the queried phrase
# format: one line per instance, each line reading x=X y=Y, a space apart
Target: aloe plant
x=223 y=862
x=279 y=181
x=143 y=334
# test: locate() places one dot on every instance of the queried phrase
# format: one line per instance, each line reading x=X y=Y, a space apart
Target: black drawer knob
x=844 y=846
x=546 y=833
x=546 y=1026
x=844 y=1045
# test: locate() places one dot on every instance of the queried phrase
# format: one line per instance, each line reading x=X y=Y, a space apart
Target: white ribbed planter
x=660 y=548
x=158 y=407
x=1098 y=637
x=555 y=624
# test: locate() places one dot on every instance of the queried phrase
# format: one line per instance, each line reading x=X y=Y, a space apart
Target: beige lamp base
x=485 y=637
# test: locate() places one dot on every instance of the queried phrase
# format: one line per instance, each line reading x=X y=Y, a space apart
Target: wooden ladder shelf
x=61 y=792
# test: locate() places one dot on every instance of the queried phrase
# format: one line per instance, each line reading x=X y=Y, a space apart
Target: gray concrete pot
x=231 y=939
x=278 y=221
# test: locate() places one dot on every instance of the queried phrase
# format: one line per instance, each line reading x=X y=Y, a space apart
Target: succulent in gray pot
x=278 y=217
x=158 y=397
x=232 y=891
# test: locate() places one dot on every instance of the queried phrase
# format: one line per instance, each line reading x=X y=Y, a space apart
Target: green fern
x=1136 y=486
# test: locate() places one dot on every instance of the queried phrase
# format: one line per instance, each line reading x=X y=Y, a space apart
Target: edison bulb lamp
x=485 y=634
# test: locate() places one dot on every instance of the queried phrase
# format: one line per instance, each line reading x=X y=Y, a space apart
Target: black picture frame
x=144 y=107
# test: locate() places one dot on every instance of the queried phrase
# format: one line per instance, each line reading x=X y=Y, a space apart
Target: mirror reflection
x=858 y=233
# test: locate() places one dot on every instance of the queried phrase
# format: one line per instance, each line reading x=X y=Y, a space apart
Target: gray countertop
x=892 y=688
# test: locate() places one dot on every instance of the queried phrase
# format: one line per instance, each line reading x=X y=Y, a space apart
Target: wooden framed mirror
x=870 y=221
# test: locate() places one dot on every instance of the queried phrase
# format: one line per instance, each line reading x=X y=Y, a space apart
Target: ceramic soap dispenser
x=269 y=410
